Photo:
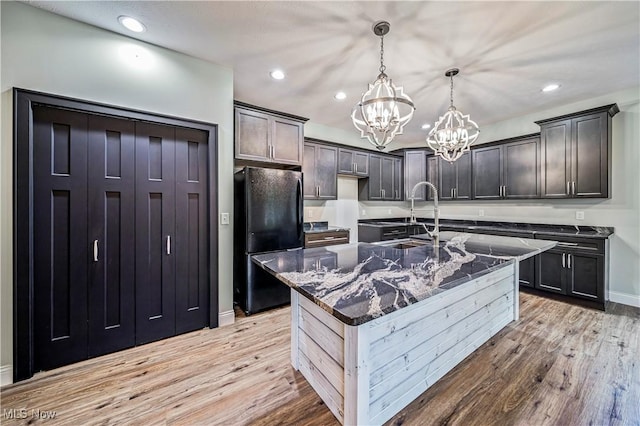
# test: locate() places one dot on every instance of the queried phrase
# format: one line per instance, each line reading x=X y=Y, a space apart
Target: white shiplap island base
x=365 y=374
x=373 y=327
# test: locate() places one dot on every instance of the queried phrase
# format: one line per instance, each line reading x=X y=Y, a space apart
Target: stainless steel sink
x=405 y=243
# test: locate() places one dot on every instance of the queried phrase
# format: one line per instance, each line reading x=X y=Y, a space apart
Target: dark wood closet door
x=155 y=232
x=111 y=176
x=60 y=245
x=191 y=248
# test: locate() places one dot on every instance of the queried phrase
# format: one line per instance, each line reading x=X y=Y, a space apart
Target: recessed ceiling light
x=131 y=24
x=340 y=96
x=426 y=126
x=550 y=87
x=277 y=74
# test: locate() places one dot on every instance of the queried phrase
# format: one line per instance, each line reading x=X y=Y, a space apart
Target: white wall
x=49 y=53
x=621 y=211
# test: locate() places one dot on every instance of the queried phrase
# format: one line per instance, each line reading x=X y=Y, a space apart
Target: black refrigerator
x=268 y=216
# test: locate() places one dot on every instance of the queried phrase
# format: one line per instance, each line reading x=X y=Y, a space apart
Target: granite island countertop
x=365 y=281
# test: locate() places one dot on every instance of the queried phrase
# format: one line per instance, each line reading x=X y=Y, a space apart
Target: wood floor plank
x=558 y=364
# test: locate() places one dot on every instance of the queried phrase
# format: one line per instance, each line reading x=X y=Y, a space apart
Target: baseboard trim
x=624 y=298
x=6 y=375
x=226 y=318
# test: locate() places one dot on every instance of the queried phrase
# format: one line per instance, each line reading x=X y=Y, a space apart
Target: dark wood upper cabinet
x=432 y=175
x=319 y=171
x=415 y=170
x=575 y=151
x=353 y=162
x=455 y=178
x=265 y=136
x=398 y=177
x=507 y=169
x=385 y=179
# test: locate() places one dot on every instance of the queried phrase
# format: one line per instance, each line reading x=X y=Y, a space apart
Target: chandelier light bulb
x=384 y=108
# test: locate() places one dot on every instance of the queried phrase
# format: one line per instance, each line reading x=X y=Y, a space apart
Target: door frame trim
x=23 y=102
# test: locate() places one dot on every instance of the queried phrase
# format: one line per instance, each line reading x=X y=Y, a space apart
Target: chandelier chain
x=451 y=90
x=382 y=67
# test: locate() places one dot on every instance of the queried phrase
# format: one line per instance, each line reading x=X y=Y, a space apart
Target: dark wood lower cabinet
x=120 y=235
x=575 y=267
x=551 y=271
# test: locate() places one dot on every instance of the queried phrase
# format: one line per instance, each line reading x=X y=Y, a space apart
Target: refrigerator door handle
x=299 y=209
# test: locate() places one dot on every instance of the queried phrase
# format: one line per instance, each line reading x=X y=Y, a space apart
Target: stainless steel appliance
x=268 y=216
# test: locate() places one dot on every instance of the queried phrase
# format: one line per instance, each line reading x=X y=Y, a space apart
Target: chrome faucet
x=412 y=219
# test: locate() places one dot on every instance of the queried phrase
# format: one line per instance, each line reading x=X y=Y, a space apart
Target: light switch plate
x=224 y=218
x=580 y=215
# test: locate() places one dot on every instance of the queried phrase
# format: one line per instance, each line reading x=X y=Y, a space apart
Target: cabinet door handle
x=355 y=165
x=451 y=192
x=95 y=250
x=563 y=259
x=168 y=246
x=569 y=261
x=573 y=187
x=397 y=195
x=568 y=188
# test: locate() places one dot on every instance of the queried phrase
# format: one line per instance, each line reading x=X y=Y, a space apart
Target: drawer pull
x=567 y=244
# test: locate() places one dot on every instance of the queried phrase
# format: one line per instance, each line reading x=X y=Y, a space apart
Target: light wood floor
x=558 y=365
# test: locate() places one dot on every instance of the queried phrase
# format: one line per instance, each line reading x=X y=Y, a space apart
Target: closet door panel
x=155 y=232
x=111 y=179
x=60 y=247
x=192 y=278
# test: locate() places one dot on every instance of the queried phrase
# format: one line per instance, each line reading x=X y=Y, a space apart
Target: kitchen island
x=373 y=326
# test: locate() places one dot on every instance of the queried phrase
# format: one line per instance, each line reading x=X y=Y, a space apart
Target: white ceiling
x=506 y=51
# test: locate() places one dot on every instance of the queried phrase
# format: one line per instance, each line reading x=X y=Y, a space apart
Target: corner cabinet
x=507 y=169
x=265 y=136
x=454 y=179
x=576 y=152
x=319 y=171
x=385 y=179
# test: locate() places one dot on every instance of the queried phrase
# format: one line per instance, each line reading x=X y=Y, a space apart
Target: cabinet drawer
x=590 y=245
x=329 y=238
x=394 y=232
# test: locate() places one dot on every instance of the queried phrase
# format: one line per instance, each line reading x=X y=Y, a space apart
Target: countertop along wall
x=48 y=53
x=621 y=211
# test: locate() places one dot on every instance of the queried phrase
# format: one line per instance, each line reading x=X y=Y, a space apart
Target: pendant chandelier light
x=454 y=132
x=384 y=109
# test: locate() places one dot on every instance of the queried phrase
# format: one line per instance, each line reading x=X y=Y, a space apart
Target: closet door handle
x=563 y=259
x=95 y=250
x=168 y=244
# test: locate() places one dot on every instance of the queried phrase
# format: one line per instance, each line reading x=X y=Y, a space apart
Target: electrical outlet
x=224 y=218
x=364 y=212
x=389 y=211
x=580 y=215
x=309 y=213
x=481 y=212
